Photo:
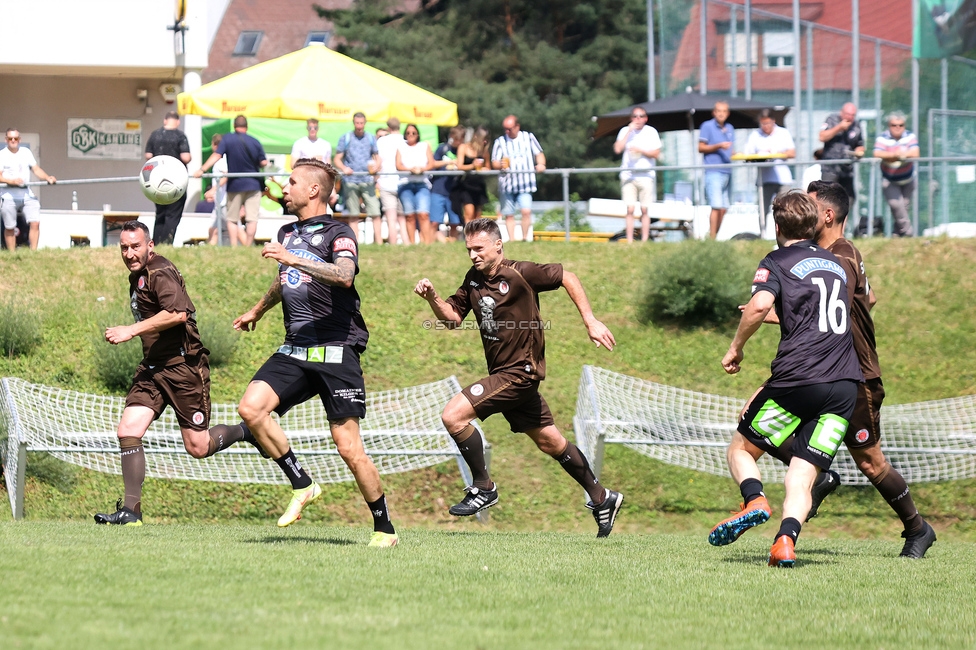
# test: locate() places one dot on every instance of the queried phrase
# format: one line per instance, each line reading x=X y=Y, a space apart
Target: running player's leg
x=863 y=441
x=133 y=425
x=277 y=386
x=349 y=443
x=742 y=456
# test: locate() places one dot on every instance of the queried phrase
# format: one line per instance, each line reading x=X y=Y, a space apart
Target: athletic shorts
x=865 y=427
x=9 y=206
x=809 y=421
x=513 y=395
x=184 y=386
x=510 y=203
x=335 y=376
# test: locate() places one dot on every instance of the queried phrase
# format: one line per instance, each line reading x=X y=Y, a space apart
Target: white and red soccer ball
x=163 y=179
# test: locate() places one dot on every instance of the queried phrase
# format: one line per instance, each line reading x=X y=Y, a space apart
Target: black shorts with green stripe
x=807 y=422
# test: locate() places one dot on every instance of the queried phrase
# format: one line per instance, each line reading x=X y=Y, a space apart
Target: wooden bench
x=664 y=216
x=196 y=241
x=558 y=235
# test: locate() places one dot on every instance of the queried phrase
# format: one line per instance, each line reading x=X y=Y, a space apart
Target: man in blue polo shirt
x=715 y=141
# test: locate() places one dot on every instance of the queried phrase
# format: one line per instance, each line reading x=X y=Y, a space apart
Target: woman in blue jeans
x=416 y=157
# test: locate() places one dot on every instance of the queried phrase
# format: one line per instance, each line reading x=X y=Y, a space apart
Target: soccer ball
x=163 y=179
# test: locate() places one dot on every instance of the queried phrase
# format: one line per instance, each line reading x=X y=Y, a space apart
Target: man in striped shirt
x=520 y=152
x=896 y=148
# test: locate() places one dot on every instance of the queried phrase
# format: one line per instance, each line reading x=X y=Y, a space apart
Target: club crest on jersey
x=862 y=435
x=317 y=239
x=198 y=418
x=477 y=390
x=762 y=275
x=142 y=282
x=805 y=267
x=503 y=287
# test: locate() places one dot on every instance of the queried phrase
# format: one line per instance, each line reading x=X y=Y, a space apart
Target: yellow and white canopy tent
x=321 y=83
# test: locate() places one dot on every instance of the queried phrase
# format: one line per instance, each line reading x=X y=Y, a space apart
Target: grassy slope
x=925 y=320
x=71 y=584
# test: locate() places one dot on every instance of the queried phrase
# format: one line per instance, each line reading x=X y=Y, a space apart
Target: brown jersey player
x=863 y=438
x=503 y=294
x=175 y=370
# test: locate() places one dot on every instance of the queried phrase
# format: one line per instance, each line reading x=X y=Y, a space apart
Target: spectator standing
x=771 y=138
x=357 y=158
x=311 y=145
x=519 y=154
x=896 y=148
x=414 y=156
x=244 y=154
x=470 y=192
x=389 y=183
x=843 y=140
x=445 y=158
x=16 y=164
x=168 y=140
x=640 y=145
x=715 y=141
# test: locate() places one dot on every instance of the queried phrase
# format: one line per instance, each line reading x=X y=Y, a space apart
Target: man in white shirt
x=774 y=140
x=389 y=184
x=640 y=145
x=311 y=146
x=16 y=164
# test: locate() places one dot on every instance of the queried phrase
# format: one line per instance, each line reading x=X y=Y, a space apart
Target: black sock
x=381 y=515
x=472 y=449
x=293 y=470
x=223 y=436
x=791 y=527
x=751 y=488
x=575 y=464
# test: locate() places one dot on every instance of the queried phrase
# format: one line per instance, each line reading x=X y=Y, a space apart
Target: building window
x=248 y=43
x=740 y=50
x=778 y=50
x=318 y=37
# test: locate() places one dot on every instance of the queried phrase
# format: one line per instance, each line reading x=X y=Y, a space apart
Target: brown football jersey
x=859 y=292
x=506 y=308
x=159 y=287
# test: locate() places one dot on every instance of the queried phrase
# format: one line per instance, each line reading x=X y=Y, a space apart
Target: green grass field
x=197 y=586
x=210 y=569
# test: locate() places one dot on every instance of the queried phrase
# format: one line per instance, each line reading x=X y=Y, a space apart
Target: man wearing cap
x=168 y=140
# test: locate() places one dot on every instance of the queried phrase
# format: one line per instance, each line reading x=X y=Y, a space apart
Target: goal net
x=926 y=441
x=402 y=431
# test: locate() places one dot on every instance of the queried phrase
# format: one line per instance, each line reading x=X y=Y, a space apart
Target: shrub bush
x=20 y=329
x=115 y=365
x=555 y=219
x=219 y=337
x=695 y=283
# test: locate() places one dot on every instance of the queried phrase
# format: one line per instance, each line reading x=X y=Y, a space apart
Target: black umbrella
x=689 y=111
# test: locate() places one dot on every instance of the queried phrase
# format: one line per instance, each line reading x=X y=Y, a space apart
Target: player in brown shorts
x=863 y=438
x=504 y=297
x=175 y=370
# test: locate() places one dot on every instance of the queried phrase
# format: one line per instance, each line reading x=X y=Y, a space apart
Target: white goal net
x=402 y=431
x=926 y=441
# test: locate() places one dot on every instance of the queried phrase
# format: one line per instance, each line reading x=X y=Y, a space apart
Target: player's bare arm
x=248 y=321
x=753 y=316
x=340 y=274
x=441 y=309
x=597 y=331
x=157 y=323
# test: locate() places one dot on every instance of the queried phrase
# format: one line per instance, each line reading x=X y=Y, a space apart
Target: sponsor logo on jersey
x=304 y=254
x=503 y=287
x=862 y=435
x=198 y=418
x=285 y=243
x=317 y=226
x=293 y=277
x=477 y=390
x=142 y=282
x=762 y=275
x=473 y=284
x=317 y=239
x=344 y=244
x=805 y=267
